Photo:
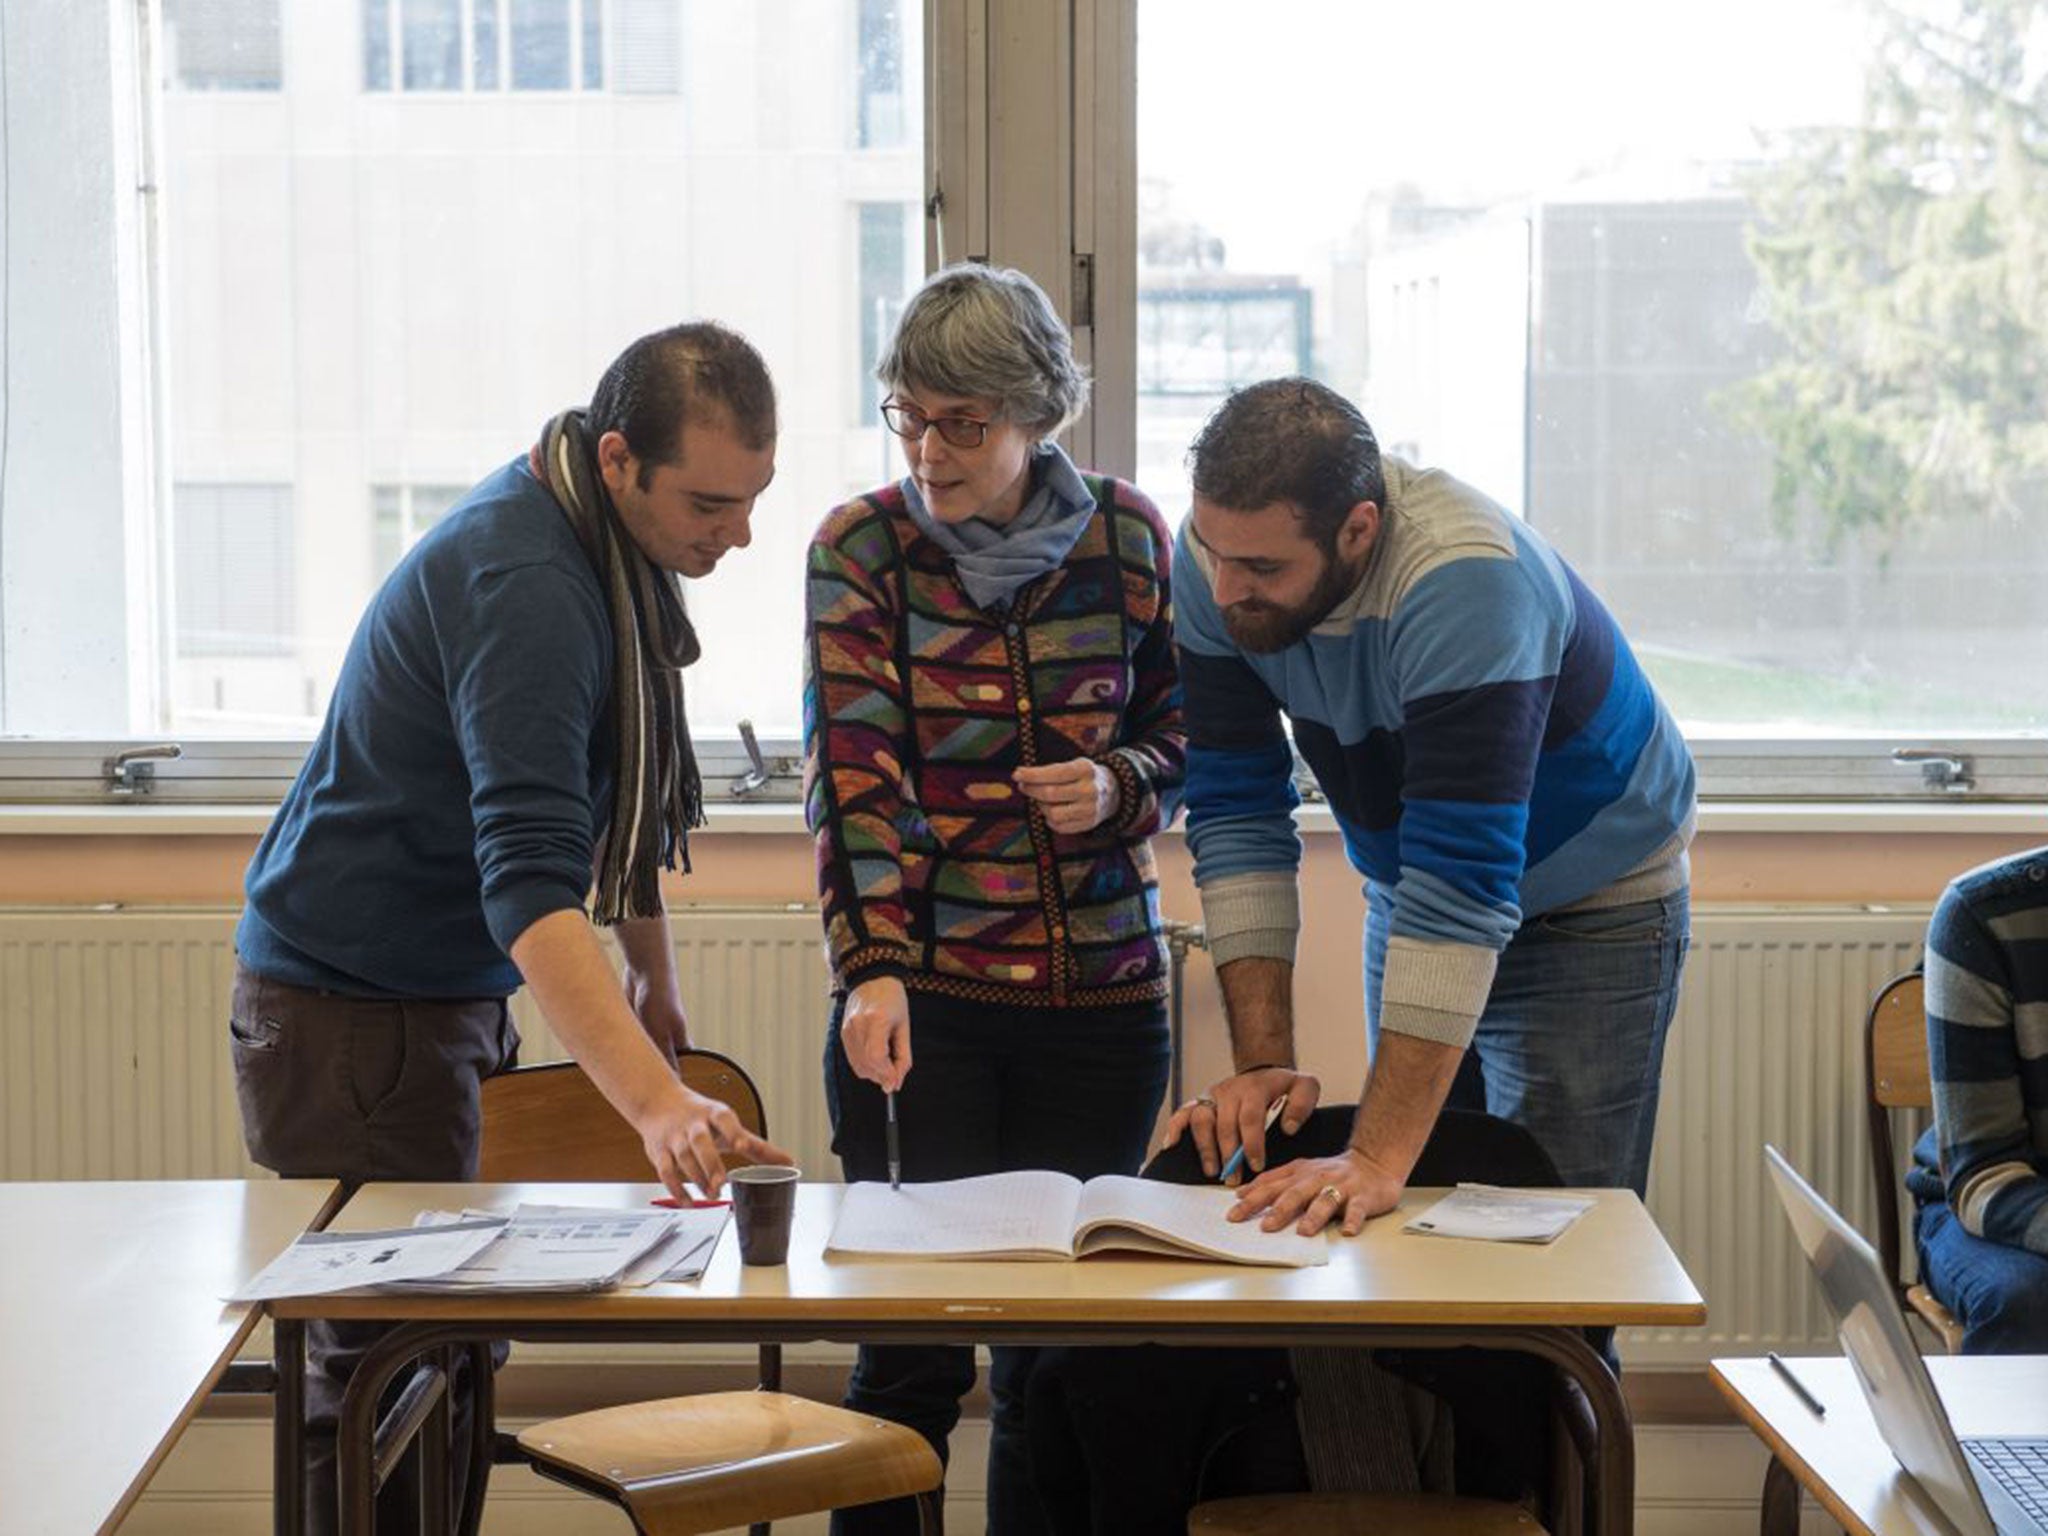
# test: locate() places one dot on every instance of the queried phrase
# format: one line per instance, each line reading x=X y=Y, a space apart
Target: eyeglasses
x=910 y=423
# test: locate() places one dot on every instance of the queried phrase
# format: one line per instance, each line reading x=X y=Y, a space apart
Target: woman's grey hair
x=988 y=333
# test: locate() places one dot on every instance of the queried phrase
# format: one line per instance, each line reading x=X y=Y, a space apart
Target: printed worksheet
x=320 y=1263
x=1499 y=1215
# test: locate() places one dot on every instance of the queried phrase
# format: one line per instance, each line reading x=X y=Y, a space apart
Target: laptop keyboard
x=2020 y=1467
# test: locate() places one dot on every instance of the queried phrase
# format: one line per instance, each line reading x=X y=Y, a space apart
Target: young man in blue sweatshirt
x=507 y=725
x=1515 y=796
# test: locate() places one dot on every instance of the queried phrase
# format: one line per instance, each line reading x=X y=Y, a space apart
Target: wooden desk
x=1841 y=1459
x=112 y=1329
x=1385 y=1287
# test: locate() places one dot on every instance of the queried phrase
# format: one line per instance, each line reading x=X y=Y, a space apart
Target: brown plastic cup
x=763 y=1203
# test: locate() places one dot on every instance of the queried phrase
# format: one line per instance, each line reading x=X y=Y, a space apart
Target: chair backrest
x=1463 y=1145
x=549 y=1122
x=1895 y=1076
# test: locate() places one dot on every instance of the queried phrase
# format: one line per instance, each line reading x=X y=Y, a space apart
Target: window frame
x=1000 y=84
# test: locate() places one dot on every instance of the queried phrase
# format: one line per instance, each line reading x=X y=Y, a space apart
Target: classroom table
x=1382 y=1288
x=1841 y=1459
x=113 y=1331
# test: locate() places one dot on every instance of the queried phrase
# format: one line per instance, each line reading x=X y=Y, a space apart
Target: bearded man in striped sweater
x=1504 y=777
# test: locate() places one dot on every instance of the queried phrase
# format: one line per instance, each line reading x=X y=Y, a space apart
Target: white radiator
x=114 y=1046
x=1767 y=1047
x=113 y=1064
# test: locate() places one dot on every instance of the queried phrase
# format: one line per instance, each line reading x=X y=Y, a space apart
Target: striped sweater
x=918 y=705
x=1480 y=727
x=1987 y=1039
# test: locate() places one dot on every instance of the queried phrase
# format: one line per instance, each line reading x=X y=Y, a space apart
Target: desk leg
x=288 y=1429
x=1779 y=1515
x=1610 y=1490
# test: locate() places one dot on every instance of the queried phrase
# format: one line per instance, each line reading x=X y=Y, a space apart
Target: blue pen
x=1237 y=1158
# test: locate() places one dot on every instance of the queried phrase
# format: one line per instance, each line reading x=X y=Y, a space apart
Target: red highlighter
x=687 y=1205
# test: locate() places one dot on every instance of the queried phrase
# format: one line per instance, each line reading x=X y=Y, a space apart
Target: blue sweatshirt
x=1479 y=726
x=463 y=772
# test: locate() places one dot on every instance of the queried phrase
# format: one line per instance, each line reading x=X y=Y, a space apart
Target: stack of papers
x=535 y=1248
x=1499 y=1215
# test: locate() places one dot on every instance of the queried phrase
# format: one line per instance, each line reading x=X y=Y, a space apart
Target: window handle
x=1940 y=768
x=757 y=776
x=132 y=771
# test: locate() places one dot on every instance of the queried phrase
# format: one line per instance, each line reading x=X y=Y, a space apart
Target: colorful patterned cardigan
x=932 y=865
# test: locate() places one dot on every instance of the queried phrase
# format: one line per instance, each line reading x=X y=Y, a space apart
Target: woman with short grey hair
x=992 y=732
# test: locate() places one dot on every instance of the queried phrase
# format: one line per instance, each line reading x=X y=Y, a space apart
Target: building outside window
x=222 y=45
x=522 y=45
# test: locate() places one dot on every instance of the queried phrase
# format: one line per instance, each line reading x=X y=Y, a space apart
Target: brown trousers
x=360 y=1089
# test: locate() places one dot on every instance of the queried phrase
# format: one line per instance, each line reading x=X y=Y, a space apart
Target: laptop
x=1985 y=1487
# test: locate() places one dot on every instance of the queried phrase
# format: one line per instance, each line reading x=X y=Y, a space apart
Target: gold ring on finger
x=1200 y=1101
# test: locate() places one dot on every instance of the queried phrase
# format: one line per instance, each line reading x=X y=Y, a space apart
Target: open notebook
x=1042 y=1215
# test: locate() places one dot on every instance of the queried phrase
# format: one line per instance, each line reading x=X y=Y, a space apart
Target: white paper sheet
x=320 y=1263
x=1499 y=1215
x=556 y=1248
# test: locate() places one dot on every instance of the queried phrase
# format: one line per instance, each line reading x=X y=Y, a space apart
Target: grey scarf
x=994 y=562
x=658 y=796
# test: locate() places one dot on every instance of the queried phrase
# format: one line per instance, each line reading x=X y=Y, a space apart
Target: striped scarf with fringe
x=659 y=796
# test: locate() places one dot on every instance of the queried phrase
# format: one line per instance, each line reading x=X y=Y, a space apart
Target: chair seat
x=683 y=1465
x=1937 y=1317
x=1360 y=1514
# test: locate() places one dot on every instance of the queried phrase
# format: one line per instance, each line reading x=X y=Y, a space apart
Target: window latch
x=1940 y=768
x=759 y=774
x=132 y=771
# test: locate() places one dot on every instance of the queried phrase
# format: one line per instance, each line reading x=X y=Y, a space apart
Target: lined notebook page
x=1028 y=1214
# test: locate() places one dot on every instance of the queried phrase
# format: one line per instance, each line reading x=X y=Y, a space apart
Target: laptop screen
x=1880 y=1347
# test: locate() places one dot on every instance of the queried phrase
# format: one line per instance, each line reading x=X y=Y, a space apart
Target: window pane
x=593 y=45
x=376 y=45
x=221 y=45
x=431 y=38
x=235 y=583
x=483 y=44
x=540 y=45
x=881 y=124
x=1746 y=331
x=362 y=306
x=647 y=46
x=885 y=277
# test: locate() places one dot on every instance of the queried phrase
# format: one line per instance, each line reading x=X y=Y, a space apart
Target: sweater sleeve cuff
x=871 y=961
x=1136 y=804
x=1247 y=916
x=1435 y=991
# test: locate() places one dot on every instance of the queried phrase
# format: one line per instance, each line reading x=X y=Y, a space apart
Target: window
x=366 y=289
x=235 y=582
x=399 y=514
x=522 y=45
x=222 y=45
x=882 y=97
x=1735 y=325
x=886 y=278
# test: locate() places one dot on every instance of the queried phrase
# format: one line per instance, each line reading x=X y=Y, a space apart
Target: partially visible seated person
x=1980 y=1173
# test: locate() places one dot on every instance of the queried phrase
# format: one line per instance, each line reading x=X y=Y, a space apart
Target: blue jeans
x=1997 y=1292
x=991 y=1089
x=1571 y=1045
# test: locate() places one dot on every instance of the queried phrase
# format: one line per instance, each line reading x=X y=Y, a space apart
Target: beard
x=1263 y=628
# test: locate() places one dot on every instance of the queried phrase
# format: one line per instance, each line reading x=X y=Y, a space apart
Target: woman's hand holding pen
x=875 y=1032
x=1233 y=1114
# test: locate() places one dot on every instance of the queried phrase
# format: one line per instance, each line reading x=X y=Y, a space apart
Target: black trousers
x=357 y=1089
x=990 y=1090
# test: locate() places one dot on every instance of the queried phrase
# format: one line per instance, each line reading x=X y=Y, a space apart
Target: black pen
x=1798 y=1387
x=895 y=1150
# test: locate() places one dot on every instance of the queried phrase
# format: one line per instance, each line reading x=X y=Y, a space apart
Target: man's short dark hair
x=1289 y=440
x=695 y=373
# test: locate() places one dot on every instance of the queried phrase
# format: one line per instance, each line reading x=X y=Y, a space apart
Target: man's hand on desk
x=687 y=1135
x=1314 y=1192
x=1233 y=1114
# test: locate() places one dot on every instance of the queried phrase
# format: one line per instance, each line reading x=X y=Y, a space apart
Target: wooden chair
x=1896 y=1077
x=685 y=1464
